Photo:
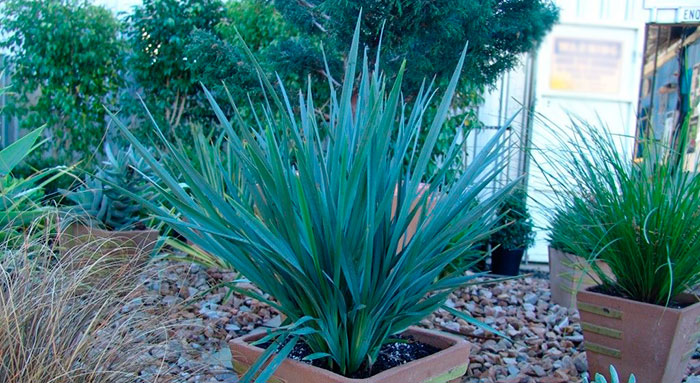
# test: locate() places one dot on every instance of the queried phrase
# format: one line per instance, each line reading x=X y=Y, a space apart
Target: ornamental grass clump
x=641 y=217
x=328 y=201
x=60 y=325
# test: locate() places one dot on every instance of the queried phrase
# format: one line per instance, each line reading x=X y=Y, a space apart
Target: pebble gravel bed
x=545 y=346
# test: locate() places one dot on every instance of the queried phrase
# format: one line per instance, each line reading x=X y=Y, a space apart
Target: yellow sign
x=586 y=66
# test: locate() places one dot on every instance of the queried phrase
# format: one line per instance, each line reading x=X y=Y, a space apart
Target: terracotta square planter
x=567 y=276
x=447 y=365
x=124 y=249
x=650 y=341
x=413 y=224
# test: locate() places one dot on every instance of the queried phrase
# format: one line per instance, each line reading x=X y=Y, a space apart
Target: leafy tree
x=257 y=21
x=217 y=57
x=158 y=32
x=428 y=33
x=66 y=59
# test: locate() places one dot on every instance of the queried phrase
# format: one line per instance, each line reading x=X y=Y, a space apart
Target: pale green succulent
x=102 y=201
x=614 y=378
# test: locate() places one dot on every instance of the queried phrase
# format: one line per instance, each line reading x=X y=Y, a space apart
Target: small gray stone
x=232 y=327
x=580 y=363
x=530 y=298
x=453 y=326
x=576 y=338
x=227 y=377
x=539 y=371
x=512 y=370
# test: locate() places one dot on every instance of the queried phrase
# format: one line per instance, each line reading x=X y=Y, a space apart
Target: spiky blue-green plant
x=323 y=224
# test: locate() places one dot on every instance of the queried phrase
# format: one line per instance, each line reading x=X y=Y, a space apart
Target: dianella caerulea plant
x=316 y=211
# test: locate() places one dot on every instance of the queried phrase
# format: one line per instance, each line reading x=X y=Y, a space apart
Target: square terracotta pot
x=652 y=342
x=567 y=276
x=129 y=241
x=447 y=365
x=121 y=249
x=413 y=224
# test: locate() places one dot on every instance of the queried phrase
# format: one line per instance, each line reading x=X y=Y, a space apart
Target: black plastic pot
x=506 y=262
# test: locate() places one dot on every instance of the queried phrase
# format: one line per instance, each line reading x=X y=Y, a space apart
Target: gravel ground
x=547 y=340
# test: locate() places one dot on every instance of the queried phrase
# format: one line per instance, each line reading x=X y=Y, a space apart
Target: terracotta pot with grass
x=568 y=274
x=651 y=341
x=642 y=219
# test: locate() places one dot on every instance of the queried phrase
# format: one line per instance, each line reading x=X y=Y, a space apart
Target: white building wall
x=610 y=102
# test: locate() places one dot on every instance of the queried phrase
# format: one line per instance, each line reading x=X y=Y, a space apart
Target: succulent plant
x=101 y=201
x=613 y=378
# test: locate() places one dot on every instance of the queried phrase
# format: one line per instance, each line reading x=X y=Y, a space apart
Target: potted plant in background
x=514 y=236
x=568 y=273
x=322 y=221
x=102 y=211
x=642 y=218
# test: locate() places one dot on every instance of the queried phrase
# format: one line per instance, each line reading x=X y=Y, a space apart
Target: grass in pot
x=104 y=214
x=568 y=272
x=514 y=236
x=642 y=219
x=329 y=198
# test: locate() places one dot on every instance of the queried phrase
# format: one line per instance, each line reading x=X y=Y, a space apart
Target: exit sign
x=689 y=15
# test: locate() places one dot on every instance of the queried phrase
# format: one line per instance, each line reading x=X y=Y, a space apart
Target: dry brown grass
x=58 y=323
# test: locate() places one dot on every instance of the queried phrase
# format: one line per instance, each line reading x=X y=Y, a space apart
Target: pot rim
x=686 y=297
x=456 y=344
x=125 y=232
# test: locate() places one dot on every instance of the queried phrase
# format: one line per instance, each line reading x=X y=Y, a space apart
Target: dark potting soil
x=405 y=350
x=613 y=292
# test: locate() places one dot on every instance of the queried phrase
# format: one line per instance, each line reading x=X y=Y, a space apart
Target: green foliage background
x=66 y=59
x=425 y=33
x=81 y=57
x=158 y=32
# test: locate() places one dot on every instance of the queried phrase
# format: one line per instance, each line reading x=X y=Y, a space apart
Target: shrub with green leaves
x=319 y=232
x=217 y=59
x=428 y=34
x=642 y=218
x=158 y=32
x=515 y=222
x=66 y=58
x=100 y=199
